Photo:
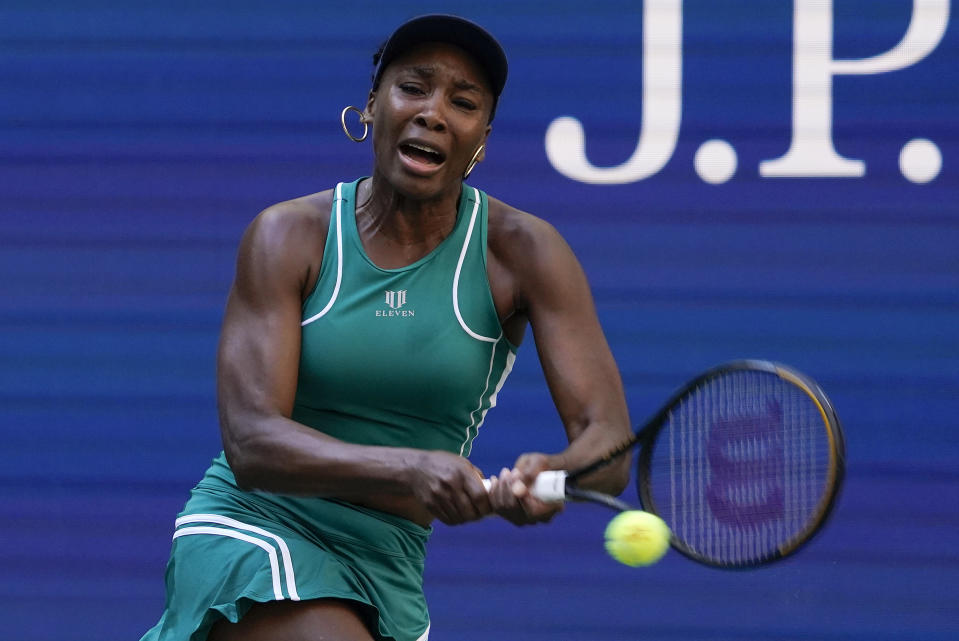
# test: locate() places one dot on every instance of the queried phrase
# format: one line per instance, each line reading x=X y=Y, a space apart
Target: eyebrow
x=466 y=85
x=425 y=71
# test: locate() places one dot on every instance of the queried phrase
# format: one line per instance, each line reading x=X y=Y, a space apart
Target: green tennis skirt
x=232 y=549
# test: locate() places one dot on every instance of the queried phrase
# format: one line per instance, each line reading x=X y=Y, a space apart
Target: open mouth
x=422 y=153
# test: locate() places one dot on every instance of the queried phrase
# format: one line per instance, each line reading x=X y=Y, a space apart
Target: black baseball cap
x=467 y=35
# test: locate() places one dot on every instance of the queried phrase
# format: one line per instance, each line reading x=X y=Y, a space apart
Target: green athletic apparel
x=408 y=357
x=232 y=549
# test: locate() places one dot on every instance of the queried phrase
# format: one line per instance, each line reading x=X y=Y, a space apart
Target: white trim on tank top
x=456 y=275
x=339 y=259
x=459 y=268
x=474 y=424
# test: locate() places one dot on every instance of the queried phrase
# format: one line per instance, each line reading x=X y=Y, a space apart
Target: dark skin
x=435 y=96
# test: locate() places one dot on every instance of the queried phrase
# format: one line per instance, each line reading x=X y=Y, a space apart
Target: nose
x=431 y=115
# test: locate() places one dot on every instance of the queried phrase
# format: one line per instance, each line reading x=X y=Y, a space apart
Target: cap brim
x=454 y=30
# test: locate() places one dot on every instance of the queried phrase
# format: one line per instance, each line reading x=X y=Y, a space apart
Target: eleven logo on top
x=395 y=300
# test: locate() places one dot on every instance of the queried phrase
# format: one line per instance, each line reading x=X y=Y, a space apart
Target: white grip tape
x=549 y=486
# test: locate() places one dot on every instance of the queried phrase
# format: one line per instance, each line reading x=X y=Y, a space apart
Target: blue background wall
x=138 y=139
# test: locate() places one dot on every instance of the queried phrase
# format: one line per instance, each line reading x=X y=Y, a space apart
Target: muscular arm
x=553 y=293
x=257 y=369
x=258 y=361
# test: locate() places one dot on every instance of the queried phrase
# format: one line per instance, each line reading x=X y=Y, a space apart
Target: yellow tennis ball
x=637 y=538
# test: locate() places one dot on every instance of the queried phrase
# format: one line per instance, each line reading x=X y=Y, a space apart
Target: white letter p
x=811 y=152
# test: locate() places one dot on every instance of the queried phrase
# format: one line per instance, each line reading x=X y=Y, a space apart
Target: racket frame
x=645 y=437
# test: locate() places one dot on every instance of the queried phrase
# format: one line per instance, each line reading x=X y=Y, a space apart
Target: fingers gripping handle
x=549 y=486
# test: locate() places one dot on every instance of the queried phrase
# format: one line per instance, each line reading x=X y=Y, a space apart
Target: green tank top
x=407 y=357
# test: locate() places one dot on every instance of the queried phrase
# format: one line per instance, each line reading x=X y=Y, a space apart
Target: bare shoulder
x=285 y=241
x=525 y=244
x=516 y=235
x=529 y=263
x=306 y=218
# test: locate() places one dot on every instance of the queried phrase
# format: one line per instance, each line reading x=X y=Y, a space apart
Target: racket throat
x=578 y=494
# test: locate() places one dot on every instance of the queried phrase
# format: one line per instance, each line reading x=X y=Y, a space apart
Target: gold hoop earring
x=473 y=161
x=366 y=127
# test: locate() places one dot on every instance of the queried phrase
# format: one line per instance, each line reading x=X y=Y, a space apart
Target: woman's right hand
x=450 y=487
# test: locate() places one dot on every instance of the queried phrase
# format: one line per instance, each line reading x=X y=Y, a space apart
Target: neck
x=382 y=211
x=397 y=230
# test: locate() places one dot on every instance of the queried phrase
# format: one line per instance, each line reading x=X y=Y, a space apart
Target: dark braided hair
x=376 y=63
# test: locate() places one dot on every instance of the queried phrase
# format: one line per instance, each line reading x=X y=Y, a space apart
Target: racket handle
x=549 y=486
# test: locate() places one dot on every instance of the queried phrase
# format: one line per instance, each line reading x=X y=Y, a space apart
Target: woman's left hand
x=510 y=496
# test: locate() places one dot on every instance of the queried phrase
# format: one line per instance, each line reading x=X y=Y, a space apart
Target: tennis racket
x=743 y=463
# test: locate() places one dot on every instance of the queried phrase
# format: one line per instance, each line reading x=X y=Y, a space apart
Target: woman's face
x=430 y=113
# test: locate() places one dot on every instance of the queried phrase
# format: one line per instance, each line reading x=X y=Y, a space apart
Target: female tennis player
x=368 y=331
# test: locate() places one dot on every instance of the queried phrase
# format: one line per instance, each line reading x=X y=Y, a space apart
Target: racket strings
x=741 y=467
